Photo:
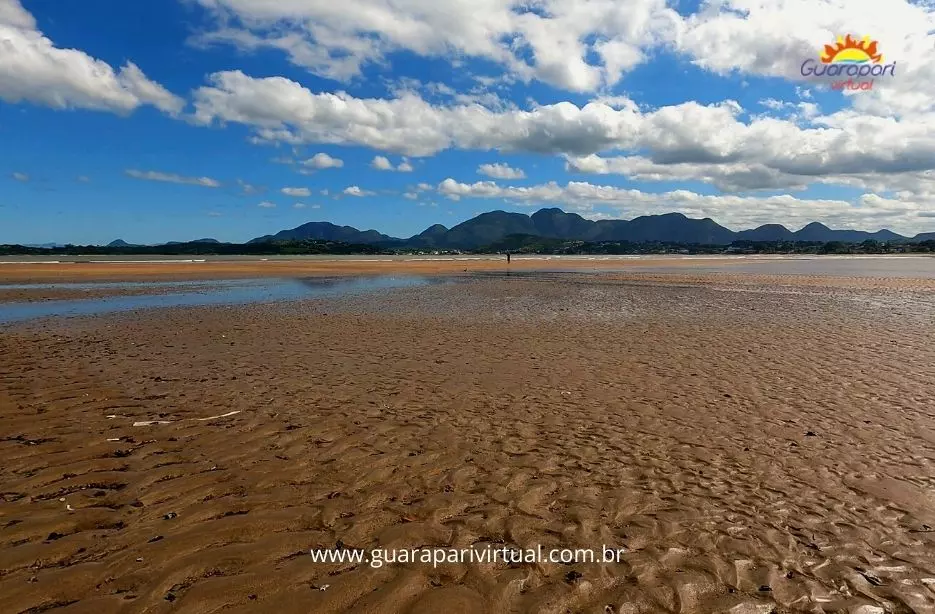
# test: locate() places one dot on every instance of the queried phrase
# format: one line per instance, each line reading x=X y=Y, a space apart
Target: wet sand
x=756 y=444
x=38 y=272
x=227 y=269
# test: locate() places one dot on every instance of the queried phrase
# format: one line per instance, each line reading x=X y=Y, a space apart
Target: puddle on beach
x=221 y=292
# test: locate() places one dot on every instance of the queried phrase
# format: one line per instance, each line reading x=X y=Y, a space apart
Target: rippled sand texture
x=755 y=449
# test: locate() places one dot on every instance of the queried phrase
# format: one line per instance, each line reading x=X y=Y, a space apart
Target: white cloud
x=804 y=147
x=83 y=179
x=410 y=195
x=33 y=69
x=356 y=191
x=574 y=45
x=730 y=177
x=323 y=161
x=586 y=46
x=280 y=110
x=267 y=205
x=13 y=14
x=206 y=182
x=297 y=192
x=735 y=212
x=501 y=171
x=773 y=38
x=381 y=163
x=304 y=206
x=20 y=176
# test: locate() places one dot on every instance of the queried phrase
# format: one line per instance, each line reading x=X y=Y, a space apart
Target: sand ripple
x=755 y=451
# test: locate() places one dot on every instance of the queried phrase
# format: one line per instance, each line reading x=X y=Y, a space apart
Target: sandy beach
x=39 y=272
x=755 y=444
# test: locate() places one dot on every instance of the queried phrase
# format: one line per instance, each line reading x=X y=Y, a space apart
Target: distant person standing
x=508 y=257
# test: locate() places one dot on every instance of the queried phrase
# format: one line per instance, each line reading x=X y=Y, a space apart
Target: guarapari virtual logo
x=850 y=64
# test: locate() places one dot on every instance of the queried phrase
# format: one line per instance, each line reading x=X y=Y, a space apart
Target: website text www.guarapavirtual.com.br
x=435 y=556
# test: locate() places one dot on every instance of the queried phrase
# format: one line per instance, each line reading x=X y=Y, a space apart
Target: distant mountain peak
x=326 y=231
x=434 y=229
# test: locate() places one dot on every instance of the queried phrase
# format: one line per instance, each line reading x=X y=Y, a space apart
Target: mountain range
x=553 y=223
x=122 y=243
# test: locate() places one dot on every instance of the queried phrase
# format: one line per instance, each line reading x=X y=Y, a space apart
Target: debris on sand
x=152 y=422
x=230 y=413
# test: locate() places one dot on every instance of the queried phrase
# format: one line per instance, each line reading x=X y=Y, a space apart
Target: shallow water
x=221 y=292
x=920 y=267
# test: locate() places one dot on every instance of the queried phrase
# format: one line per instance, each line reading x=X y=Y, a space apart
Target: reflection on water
x=225 y=292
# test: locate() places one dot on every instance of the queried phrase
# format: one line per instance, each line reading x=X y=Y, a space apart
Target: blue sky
x=663 y=107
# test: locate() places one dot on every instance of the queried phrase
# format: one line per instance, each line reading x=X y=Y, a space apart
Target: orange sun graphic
x=849 y=50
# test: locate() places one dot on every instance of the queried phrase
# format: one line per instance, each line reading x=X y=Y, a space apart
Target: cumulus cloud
x=33 y=69
x=281 y=110
x=267 y=205
x=304 y=206
x=13 y=14
x=356 y=191
x=586 y=46
x=323 y=161
x=206 y=182
x=501 y=171
x=382 y=163
x=574 y=45
x=726 y=146
x=734 y=211
x=773 y=37
x=728 y=176
x=297 y=192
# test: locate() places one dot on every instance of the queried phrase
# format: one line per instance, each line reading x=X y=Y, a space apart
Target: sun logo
x=849 y=50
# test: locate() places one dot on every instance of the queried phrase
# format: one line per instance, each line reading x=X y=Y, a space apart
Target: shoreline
x=32 y=271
